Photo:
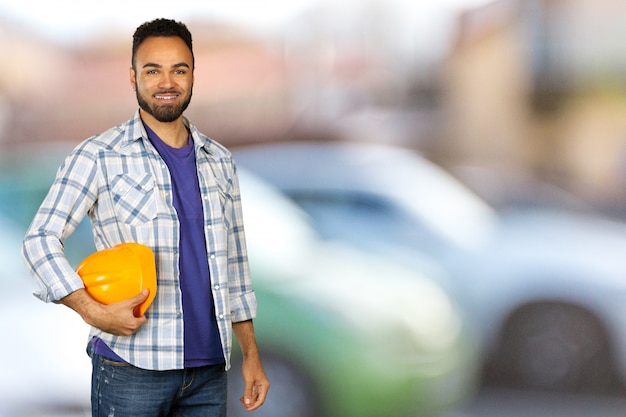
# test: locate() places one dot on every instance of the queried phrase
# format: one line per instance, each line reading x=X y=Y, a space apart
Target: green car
x=341 y=333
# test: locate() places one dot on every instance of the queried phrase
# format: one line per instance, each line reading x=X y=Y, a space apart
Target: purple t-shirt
x=201 y=337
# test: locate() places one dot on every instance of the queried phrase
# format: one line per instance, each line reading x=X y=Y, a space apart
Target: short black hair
x=161 y=27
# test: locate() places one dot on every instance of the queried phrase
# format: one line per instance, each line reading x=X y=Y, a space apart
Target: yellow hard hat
x=119 y=273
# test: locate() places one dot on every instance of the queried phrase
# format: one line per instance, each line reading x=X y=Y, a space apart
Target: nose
x=166 y=80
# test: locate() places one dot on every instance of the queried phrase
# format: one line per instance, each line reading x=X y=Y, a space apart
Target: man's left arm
x=255 y=380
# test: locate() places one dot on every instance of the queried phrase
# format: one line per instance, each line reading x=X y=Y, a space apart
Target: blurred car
x=340 y=333
x=543 y=290
x=46 y=371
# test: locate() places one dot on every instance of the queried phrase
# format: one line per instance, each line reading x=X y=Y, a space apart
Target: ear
x=133 y=79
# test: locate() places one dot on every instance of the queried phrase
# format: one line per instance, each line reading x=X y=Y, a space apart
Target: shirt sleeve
x=69 y=199
x=242 y=297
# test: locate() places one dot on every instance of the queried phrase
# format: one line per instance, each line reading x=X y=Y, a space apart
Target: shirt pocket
x=134 y=198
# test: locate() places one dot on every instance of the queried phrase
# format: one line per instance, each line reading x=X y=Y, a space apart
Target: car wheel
x=553 y=347
x=291 y=391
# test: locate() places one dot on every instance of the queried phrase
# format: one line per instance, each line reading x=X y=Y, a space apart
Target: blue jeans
x=122 y=390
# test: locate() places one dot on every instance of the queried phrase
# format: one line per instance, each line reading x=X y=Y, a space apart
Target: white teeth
x=165 y=97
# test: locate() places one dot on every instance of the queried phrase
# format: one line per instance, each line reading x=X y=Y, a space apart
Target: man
x=158 y=181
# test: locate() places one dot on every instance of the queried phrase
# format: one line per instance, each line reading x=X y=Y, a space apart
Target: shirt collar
x=135 y=131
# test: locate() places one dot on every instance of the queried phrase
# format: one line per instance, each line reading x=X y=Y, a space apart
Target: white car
x=545 y=291
x=45 y=370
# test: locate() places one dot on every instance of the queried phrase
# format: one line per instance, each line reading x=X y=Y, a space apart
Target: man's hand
x=256 y=383
x=117 y=318
x=254 y=378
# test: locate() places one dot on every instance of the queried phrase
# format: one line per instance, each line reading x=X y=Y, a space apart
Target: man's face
x=163 y=77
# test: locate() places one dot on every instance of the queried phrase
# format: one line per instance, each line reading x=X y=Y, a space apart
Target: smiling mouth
x=166 y=97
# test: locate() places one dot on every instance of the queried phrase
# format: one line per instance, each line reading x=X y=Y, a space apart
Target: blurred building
x=52 y=92
x=530 y=89
x=29 y=68
x=536 y=88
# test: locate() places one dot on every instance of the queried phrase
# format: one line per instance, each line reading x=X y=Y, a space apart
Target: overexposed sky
x=64 y=20
x=68 y=20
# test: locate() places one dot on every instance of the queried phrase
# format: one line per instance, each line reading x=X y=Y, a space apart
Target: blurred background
x=474 y=149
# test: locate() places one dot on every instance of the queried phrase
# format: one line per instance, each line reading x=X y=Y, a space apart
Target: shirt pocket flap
x=133 y=196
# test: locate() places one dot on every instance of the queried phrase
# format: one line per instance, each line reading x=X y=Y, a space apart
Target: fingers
x=137 y=300
x=122 y=318
x=255 y=381
x=254 y=396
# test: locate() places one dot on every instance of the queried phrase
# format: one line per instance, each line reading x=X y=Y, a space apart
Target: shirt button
x=221 y=316
x=212 y=256
x=217 y=287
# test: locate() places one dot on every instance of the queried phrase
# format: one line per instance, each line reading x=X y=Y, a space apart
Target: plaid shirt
x=121 y=182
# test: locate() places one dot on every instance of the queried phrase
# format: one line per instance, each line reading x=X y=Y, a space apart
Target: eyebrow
x=155 y=65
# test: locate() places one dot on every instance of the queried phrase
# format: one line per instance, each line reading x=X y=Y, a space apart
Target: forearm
x=244 y=332
x=116 y=318
x=81 y=302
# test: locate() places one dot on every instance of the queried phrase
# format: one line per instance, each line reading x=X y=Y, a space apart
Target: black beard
x=165 y=113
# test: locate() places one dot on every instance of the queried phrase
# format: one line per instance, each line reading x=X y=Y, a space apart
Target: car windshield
x=356 y=217
x=389 y=191
x=437 y=200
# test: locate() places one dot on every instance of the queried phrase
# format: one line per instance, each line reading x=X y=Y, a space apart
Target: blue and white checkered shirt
x=121 y=182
